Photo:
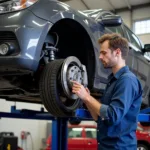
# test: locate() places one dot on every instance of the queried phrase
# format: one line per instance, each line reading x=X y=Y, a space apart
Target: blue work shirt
x=117 y=123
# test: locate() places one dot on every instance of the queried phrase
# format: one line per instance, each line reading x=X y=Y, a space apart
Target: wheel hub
x=74 y=73
x=72 y=69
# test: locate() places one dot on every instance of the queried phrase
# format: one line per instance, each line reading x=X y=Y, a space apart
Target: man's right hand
x=88 y=90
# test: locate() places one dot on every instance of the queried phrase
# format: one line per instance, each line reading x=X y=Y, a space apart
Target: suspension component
x=50 y=51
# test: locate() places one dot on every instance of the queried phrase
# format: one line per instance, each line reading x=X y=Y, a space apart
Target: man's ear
x=118 y=51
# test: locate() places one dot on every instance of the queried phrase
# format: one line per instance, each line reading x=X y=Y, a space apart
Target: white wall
x=37 y=128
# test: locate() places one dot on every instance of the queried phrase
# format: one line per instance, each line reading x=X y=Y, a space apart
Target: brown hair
x=116 y=41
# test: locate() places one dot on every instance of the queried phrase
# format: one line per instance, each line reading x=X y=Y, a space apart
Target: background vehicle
x=143 y=138
x=83 y=137
x=80 y=137
x=35 y=62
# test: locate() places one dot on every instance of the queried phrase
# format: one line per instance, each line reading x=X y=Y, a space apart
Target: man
x=117 y=111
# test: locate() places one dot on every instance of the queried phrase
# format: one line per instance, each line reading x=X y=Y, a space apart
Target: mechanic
x=116 y=113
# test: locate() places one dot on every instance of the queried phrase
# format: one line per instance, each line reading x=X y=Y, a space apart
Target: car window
x=117 y=29
x=133 y=39
x=139 y=128
x=147 y=55
x=90 y=132
x=74 y=132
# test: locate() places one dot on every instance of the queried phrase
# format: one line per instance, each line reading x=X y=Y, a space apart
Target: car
x=80 y=137
x=83 y=137
x=44 y=44
x=143 y=138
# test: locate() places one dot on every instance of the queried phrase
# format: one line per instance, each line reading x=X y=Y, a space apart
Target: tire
x=51 y=91
x=142 y=147
x=74 y=122
x=145 y=124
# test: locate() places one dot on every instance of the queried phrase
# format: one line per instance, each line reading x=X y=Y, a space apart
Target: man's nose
x=100 y=57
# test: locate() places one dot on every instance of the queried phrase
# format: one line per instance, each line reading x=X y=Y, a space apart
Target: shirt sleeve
x=122 y=98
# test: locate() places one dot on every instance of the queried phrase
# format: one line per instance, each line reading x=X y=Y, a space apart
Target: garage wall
x=76 y=4
x=137 y=14
x=126 y=15
x=35 y=127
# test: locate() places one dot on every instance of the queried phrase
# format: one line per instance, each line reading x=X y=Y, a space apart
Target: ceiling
x=113 y=5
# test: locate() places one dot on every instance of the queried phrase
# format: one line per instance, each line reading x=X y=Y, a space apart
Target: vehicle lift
x=59 y=125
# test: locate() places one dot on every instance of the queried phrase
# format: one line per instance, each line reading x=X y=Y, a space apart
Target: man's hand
x=87 y=90
x=82 y=92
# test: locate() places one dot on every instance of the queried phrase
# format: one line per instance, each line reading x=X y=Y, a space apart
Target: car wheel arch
x=89 y=42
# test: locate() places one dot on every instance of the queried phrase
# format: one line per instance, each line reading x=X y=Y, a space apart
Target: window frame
x=139 y=20
x=128 y=37
x=90 y=128
x=71 y=128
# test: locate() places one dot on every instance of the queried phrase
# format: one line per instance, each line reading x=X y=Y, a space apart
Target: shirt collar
x=118 y=73
x=121 y=71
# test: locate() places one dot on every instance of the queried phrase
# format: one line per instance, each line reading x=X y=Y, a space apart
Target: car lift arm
x=59 y=125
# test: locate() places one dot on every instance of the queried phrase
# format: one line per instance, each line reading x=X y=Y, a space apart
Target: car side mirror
x=146 y=48
x=111 y=20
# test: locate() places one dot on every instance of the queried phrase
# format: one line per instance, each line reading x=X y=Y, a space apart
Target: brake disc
x=72 y=69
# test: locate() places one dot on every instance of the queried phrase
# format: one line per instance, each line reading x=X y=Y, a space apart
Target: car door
x=75 y=138
x=90 y=138
x=143 y=65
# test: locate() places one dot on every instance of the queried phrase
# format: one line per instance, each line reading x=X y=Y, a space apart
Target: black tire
x=145 y=124
x=142 y=147
x=50 y=89
x=74 y=122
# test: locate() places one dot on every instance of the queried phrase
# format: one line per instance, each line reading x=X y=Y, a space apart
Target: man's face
x=107 y=56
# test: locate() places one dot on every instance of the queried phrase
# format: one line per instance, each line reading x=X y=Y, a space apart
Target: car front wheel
x=55 y=87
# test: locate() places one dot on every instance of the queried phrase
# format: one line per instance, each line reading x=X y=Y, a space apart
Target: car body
x=143 y=137
x=36 y=42
x=83 y=137
x=80 y=137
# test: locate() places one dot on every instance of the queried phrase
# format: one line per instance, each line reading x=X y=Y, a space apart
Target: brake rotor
x=71 y=70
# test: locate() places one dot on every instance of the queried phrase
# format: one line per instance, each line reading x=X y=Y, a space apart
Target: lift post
x=60 y=134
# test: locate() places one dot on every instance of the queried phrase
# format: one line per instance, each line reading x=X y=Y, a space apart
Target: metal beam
x=133 y=7
x=87 y=7
x=112 y=6
x=83 y=2
x=64 y=0
x=128 y=4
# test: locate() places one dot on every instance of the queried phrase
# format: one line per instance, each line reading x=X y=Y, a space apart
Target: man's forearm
x=94 y=105
x=93 y=114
